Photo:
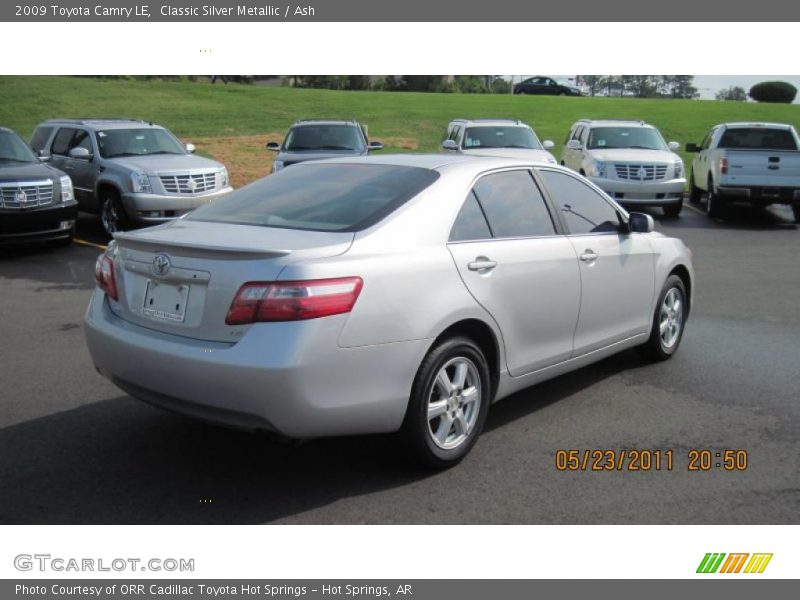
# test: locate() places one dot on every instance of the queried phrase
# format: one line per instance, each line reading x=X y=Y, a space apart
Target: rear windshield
x=758 y=138
x=320 y=197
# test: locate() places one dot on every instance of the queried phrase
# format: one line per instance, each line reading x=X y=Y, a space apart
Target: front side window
x=324 y=137
x=81 y=140
x=115 y=143
x=501 y=137
x=645 y=138
x=62 y=141
x=583 y=209
x=513 y=205
x=320 y=197
x=13 y=149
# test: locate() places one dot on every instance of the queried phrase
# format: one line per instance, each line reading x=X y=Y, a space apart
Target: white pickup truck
x=755 y=163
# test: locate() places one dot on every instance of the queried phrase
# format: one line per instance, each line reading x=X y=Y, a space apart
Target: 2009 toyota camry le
x=379 y=294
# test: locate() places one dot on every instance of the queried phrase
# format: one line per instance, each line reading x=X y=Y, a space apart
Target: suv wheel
x=449 y=402
x=694 y=192
x=668 y=321
x=715 y=206
x=112 y=213
x=673 y=210
x=796 y=211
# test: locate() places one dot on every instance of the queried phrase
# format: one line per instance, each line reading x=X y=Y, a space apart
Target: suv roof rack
x=324 y=119
x=640 y=121
x=85 y=120
x=488 y=120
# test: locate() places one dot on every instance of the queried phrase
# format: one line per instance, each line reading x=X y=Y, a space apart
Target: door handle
x=588 y=256
x=481 y=263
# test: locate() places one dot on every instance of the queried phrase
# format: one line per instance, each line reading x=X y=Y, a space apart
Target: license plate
x=165 y=302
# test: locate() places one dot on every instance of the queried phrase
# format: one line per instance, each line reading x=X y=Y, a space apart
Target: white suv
x=496 y=137
x=629 y=160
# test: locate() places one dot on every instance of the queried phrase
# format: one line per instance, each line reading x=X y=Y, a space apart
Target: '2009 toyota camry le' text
x=384 y=293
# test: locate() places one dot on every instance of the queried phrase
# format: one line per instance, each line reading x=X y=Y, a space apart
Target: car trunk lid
x=181 y=278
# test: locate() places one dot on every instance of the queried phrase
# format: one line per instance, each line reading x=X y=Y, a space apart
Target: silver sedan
x=386 y=293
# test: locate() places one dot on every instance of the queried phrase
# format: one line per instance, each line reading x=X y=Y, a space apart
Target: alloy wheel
x=671 y=319
x=454 y=403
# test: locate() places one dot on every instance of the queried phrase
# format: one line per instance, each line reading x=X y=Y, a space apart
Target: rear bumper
x=645 y=193
x=152 y=209
x=289 y=378
x=760 y=195
x=37 y=224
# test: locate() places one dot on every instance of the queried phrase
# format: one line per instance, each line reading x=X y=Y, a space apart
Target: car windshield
x=324 y=137
x=137 y=142
x=501 y=137
x=13 y=149
x=645 y=138
x=758 y=138
x=320 y=197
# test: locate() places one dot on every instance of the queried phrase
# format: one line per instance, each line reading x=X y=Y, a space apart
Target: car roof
x=754 y=124
x=6 y=129
x=305 y=122
x=436 y=162
x=104 y=123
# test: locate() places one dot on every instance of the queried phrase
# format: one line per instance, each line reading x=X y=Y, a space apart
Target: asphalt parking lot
x=74 y=449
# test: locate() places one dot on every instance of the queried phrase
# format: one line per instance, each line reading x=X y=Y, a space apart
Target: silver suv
x=131 y=172
x=628 y=160
x=496 y=137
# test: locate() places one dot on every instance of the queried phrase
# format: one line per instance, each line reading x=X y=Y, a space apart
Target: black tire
x=673 y=210
x=655 y=348
x=695 y=193
x=112 y=214
x=796 y=211
x=715 y=205
x=417 y=428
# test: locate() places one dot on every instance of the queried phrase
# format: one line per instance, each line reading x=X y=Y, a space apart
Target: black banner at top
x=401 y=11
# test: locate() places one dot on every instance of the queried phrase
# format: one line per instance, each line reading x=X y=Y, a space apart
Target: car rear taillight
x=293 y=300
x=104 y=275
x=723 y=165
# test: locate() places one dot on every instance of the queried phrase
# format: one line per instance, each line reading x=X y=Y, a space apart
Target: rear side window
x=583 y=209
x=513 y=205
x=40 y=137
x=61 y=143
x=321 y=197
x=471 y=223
x=758 y=138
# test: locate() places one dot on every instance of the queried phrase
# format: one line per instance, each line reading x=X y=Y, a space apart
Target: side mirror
x=548 y=144
x=190 y=148
x=273 y=146
x=449 y=145
x=574 y=145
x=80 y=154
x=42 y=156
x=692 y=148
x=674 y=146
x=376 y=145
x=640 y=223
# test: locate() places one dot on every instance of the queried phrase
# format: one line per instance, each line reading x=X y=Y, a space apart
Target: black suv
x=318 y=139
x=36 y=200
x=546 y=86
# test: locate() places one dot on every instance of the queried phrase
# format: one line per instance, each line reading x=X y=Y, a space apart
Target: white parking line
x=695 y=209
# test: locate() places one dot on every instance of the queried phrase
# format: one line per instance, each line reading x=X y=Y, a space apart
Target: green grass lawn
x=405 y=120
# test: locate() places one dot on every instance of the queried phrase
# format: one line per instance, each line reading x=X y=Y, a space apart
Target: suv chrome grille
x=190 y=183
x=29 y=194
x=640 y=172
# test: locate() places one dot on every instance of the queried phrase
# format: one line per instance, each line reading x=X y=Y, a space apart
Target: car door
x=82 y=171
x=518 y=266
x=701 y=164
x=617 y=269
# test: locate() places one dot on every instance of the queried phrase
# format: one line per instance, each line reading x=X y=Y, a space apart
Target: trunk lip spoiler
x=136 y=240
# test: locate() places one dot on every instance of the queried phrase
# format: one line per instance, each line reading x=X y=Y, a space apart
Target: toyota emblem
x=161 y=264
